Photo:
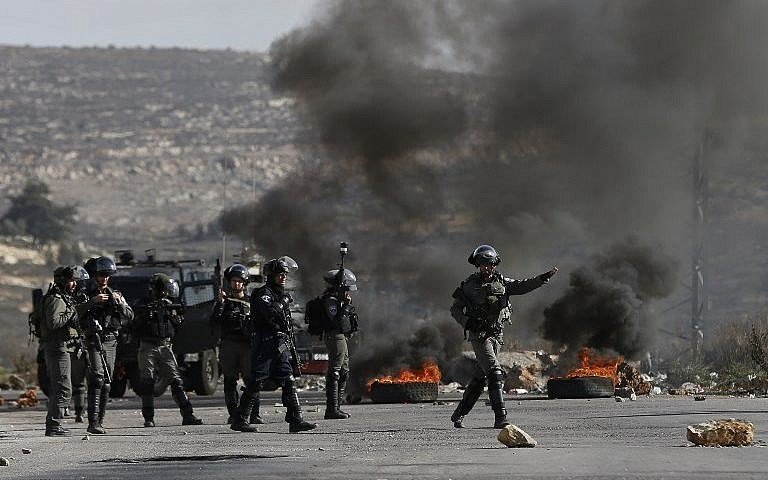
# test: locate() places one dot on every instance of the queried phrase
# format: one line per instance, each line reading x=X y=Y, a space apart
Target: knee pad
x=333 y=374
x=495 y=377
x=97 y=382
x=177 y=385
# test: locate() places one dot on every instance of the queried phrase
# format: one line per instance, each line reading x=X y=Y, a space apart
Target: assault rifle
x=103 y=355
x=290 y=340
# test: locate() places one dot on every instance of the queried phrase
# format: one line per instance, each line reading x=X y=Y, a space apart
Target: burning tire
x=580 y=387
x=407 y=392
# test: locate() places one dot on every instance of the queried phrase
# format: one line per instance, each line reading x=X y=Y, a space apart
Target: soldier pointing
x=481 y=306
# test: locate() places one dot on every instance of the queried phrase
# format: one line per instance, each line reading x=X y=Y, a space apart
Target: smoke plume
x=543 y=127
x=606 y=306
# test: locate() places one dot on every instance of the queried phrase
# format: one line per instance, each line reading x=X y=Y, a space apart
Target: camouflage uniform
x=156 y=327
x=59 y=337
x=481 y=306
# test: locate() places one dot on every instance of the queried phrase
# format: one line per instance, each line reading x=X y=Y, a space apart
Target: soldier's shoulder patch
x=333 y=309
x=266 y=299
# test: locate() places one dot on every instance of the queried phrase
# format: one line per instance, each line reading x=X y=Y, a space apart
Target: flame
x=429 y=372
x=595 y=366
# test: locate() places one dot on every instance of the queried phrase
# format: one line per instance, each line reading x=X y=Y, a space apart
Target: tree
x=33 y=213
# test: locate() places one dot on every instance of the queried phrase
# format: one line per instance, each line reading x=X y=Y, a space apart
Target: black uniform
x=271 y=354
x=233 y=317
x=156 y=326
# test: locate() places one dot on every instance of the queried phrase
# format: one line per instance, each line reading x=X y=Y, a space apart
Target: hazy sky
x=238 y=24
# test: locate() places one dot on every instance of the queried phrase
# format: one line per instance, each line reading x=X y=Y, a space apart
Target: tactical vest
x=161 y=320
x=235 y=317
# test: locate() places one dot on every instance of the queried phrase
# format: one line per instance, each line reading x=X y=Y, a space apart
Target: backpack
x=314 y=316
x=36 y=316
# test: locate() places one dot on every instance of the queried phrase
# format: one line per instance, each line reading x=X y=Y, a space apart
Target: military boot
x=343 y=376
x=185 y=407
x=94 y=401
x=255 y=406
x=231 y=399
x=79 y=414
x=468 y=400
x=244 y=409
x=296 y=422
x=103 y=404
x=53 y=428
x=148 y=402
x=496 y=397
x=332 y=411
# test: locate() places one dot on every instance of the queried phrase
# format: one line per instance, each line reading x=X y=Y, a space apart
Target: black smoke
x=543 y=127
x=607 y=304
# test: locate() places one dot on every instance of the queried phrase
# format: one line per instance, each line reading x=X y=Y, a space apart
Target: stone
x=26 y=451
x=724 y=433
x=514 y=437
x=624 y=392
x=4 y=462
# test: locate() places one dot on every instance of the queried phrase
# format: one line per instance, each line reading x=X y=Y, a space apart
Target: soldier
x=79 y=358
x=272 y=350
x=105 y=313
x=156 y=327
x=481 y=306
x=231 y=314
x=340 y=322
x=58 y=333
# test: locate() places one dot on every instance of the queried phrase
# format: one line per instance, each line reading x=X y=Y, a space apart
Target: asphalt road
x=597 y=438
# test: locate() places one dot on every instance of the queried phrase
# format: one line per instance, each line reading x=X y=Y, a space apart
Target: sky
x=204 y=24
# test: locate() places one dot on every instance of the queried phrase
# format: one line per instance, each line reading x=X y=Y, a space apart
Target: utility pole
x=699 y=270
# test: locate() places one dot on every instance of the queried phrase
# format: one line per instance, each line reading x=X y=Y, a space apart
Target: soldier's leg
x=170 y=369
x=290 y=396
x=486 y=359
x=332 y=376
x=110 y=351
x=248 y=401
x=228 y=359
x=57 y=362
x=147 y=359
x=244 y=365
x=343 y=377
x=79 y=372
x=471 y=394
x=95 y=386
x=495 y=382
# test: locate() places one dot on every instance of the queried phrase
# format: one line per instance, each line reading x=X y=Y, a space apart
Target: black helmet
x=283 y=264
x=484 y=255
x=237 y=271
x=164 y=286
x=104 y=265
x=63 y=274
x=348 y=280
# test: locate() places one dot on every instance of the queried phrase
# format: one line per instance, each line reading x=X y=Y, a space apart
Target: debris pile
x=28 y=398
x=723 y=433
x=629 y=377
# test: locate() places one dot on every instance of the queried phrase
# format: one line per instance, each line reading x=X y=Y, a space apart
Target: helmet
x=283 y=264
x=105 y=266
x=164 y=286
x=484 y=255
x=237 y=271
x=348 y=280
x=79 y=273
x=63 y=274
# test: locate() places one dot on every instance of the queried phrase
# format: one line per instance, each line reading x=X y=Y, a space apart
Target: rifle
x=103 y=355
x=340 y=275
x=217 y=282
x=290 y=340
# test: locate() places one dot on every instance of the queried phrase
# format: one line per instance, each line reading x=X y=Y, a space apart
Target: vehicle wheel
x=42 y=373
x=580 y=387
x=205 y=374
x=118 y=387
x=161 y=385
x=159 y=388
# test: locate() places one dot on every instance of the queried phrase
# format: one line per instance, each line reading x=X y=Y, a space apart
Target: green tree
x=33 y=213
